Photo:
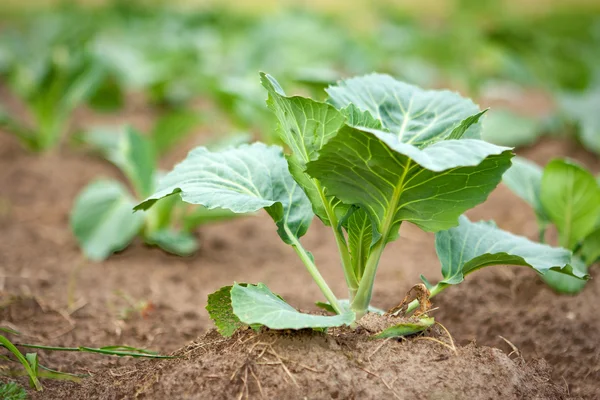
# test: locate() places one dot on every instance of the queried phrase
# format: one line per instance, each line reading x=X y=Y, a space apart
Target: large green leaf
x=414 y=115
x=102 y=220
x=571 y=198
x=243 y=179
x=524 y=178
x=474 y=245
x=305 y=126
x=256 y=304
x=394 y=181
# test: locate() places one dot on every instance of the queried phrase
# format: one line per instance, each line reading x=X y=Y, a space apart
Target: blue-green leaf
x=414 y=115
x=256 y=304
x=474 y=245
x=305 y=126
x=242 y=179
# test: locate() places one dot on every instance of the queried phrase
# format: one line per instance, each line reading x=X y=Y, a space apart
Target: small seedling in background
x=566 y=195
x=379 y=153
x=52 y=73
x=582 y=110
x=101 y=218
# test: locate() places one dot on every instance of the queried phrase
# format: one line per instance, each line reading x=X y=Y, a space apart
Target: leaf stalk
x=314 y=272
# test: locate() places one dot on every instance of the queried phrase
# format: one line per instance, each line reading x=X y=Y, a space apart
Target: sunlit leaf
x=243 y=179
x=414 y=115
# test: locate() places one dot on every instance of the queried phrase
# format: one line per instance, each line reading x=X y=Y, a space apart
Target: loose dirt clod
x=307 y=364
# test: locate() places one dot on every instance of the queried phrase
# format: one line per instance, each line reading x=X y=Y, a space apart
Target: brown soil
x=321 y=366
x=145 y=298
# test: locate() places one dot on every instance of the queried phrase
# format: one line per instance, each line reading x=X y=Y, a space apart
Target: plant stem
x=360 y=304
x=313 y=271
x=439 y=287
x=349 y=272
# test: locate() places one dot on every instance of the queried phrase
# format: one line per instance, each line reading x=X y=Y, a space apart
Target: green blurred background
x=535 y=62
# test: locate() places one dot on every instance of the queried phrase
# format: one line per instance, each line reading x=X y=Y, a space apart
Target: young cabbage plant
x=51 y=78
x=101 y=218
x=566 y=195
x=377 y=154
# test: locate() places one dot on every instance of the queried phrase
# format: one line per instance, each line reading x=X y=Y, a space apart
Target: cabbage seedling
x=101 y=218
x=52 y=78
x=566 y=195
x=377 y=154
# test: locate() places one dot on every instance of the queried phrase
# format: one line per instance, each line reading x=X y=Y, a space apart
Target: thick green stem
x=361 y=301
x=433 y=291
x=349 y=273
x=314 y=272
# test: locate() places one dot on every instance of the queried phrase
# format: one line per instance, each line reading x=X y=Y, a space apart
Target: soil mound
x=307 y=364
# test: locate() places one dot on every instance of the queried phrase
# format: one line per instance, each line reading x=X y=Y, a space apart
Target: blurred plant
x=12 y=391
x=160 y=54
x=50 y=70
x=566 y=195
x=507 y=128
x=101 y=218
x=583 y=110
